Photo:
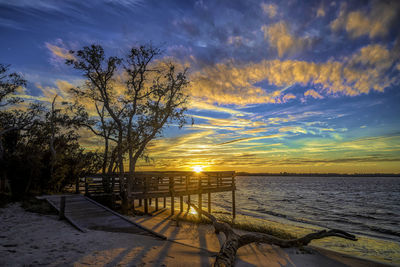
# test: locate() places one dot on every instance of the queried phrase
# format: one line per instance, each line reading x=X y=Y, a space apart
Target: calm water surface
x=363 y=205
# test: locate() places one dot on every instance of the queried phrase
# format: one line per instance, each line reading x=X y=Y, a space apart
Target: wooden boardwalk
x=145 y=186
x=86 y=214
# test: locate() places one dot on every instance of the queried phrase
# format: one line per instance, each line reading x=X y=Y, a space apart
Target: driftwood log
x=227 y=254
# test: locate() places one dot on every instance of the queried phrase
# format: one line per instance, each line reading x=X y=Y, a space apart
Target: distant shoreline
x=320 y=174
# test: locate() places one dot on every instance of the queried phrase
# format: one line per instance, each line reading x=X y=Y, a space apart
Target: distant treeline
x=320 y=174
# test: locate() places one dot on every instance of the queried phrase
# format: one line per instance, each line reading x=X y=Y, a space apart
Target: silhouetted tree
x=137 y=98
x=15 y=119
x=39 y=149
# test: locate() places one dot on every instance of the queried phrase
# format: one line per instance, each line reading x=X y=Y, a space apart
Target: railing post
x=146 y=189
x=209 y=194
x=156 y=203
x=187 y=190
x=187 y=183
x=146 y=206
x=61 y=215
x=233 y=197
x=171 y=190
x=86 y=187
x=200 y=196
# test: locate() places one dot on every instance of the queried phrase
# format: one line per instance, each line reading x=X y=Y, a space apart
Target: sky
x=275 y=86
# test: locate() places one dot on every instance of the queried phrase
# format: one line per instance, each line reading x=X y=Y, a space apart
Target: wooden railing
x=180 y=183
x=148 y=185
x=164 y=183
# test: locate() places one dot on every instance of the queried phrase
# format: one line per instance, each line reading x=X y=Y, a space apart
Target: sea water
x=366 y=206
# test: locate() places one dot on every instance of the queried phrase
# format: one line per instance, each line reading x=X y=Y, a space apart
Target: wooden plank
x=146 y=206
x=126 y=219
x=209 y=202
x=72 y=222
x=233 y=204
x=172 y=205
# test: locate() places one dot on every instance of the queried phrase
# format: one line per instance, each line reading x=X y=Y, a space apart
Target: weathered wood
x=70 y=220
x=86 y=188
x=227 y=254
x=62 y=208
x=233 y=198
x=233 y=205
x=200 y=198
x=182 y=193
x=209 y=202
x=209 y=194
x=172 y=193
x=146 y=206
x=149 y=185
x=172 y=205
x=200 y=204
x=165 y=203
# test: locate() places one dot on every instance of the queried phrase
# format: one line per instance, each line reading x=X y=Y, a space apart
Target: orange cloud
x=321 y=11
x=313 y=94
x=280 y=38
x=232 y=83
x=287 y=97
x=269 y=9
x=59 y=51
x=375 y=23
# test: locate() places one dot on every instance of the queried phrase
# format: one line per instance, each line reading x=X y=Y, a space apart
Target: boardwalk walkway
x=145 y=186
x=86 y=214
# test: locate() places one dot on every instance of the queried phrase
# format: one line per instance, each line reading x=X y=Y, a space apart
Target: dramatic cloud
x=282 y=40
x=231 y=83
x=269 y=9
x=375 y=22
x=270 y=81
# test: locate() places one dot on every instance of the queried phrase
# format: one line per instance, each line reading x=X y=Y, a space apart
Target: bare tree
x=155 y=95
x=152 y=95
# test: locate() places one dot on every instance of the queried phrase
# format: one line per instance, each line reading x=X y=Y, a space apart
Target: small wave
x=345 y=221
x=383 y=230
x=364 y=216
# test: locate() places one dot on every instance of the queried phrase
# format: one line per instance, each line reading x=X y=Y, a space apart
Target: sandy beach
x=31 y=239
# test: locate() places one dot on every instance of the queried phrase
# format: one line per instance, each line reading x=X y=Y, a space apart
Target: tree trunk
x=227 y=254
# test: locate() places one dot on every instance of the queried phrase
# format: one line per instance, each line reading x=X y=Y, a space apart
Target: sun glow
x=192 y=211
x=197 y=169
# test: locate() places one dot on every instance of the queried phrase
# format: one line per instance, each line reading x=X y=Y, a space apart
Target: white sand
x=30 y=239
x=42 y=240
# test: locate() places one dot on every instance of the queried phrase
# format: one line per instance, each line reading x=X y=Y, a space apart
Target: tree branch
x=227 y=254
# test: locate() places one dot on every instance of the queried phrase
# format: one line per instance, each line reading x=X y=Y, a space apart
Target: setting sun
x=198 y=169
